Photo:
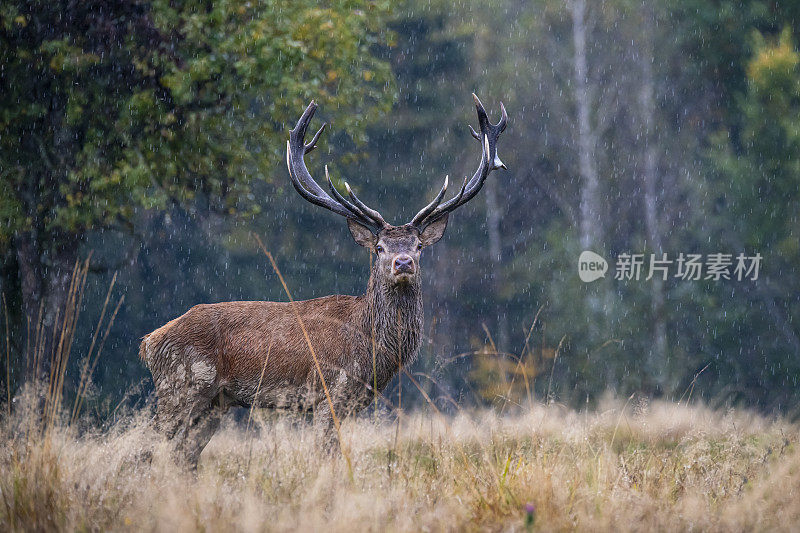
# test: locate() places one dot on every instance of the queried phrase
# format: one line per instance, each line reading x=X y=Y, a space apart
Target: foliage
x=765 y=162
x=504 y=379
x=112 y=108
x=758 y=182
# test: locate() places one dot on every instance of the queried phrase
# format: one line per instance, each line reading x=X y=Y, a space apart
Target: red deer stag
x=257 y=353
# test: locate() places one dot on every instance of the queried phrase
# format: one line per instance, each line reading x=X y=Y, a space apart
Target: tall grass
x=48 y=351
x=624 y=467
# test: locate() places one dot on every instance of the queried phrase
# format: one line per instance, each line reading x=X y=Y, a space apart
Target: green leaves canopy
x=762 y=163
x=111 y=107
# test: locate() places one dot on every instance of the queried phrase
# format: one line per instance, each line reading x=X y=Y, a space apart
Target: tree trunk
x=30 y=274
x=598 y=296
x=493 y=217
x=656 y=361
x=591 y=229
x=44 y=283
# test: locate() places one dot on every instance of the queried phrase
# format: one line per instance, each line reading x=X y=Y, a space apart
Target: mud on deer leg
x=325 y=430
x=199 y=435
x=168 y=420
x=198 y=429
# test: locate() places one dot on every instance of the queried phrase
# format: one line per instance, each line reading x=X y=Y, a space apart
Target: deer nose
x=404 y=264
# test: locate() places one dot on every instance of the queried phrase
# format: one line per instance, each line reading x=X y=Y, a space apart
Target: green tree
x=758 y=185
x=111 y=108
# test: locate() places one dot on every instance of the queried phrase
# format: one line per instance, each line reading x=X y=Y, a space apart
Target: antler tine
x=309 y=189
x=371 y=213
x=461 y=192
x=338 y=196
x=439 y=213
x=483 y=118
x=309 y=147
x=428 y=209
x=322 y=201
x=489 y=133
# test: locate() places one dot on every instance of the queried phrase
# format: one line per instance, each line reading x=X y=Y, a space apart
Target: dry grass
x=657 y=467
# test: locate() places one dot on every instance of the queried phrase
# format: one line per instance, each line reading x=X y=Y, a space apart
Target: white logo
x=591 y=266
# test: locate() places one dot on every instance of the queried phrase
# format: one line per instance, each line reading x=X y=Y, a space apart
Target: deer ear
x=361 y=234
x=432 y=233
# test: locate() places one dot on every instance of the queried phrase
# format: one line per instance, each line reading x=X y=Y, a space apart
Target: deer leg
x=325 y=428
x=199 y=427
x=168 y=419
x=199 y=436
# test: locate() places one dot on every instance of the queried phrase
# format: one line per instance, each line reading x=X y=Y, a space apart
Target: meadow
x=625 y=466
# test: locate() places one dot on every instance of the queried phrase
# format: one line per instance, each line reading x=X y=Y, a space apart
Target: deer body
x=258 y=354
x=232 y=351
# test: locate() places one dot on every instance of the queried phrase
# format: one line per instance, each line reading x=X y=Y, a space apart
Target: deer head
x=397 y=248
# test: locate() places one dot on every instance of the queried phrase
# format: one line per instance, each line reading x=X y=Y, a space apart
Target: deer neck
x=393 y=318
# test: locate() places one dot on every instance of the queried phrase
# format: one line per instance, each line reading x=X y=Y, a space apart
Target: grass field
x=622 y=467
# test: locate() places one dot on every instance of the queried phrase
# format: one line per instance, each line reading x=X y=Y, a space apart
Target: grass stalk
x=313 y=354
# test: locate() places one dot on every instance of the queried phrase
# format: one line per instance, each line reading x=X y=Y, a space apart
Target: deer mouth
x=403 y=280
x=403 y=274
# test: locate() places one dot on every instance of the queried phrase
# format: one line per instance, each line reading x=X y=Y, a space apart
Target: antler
x=296 y=148
x=489 y=161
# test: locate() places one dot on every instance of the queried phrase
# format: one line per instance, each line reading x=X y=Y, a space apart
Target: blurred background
x=148 y=137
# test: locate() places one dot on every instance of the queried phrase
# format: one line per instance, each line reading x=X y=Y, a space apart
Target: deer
x=330 y=355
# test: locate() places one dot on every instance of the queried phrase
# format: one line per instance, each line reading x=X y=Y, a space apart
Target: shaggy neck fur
x=393 y=318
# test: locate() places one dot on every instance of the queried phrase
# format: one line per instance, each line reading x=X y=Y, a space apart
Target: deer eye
x=419 y=246
x=379 y=249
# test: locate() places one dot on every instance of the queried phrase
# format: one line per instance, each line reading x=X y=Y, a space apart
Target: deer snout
x=403 y=264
